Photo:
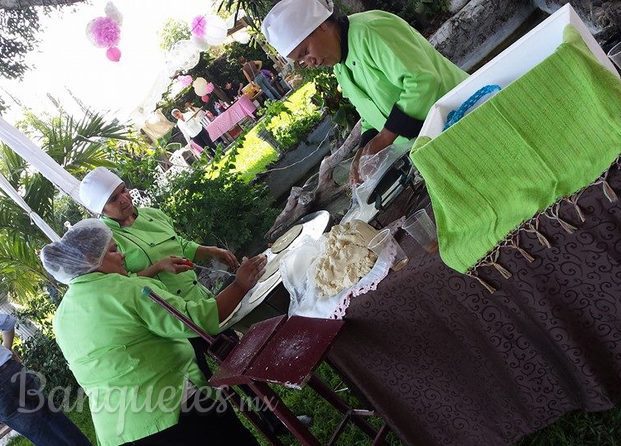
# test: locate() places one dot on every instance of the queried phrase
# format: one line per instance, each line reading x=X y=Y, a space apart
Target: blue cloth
x=265 y=84
x=7 y=323
x=460 y=112
x=25 y=409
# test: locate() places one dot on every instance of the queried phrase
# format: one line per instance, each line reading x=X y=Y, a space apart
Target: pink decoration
x=198 y=26
x=113 y=54
x=104 y=32
x=185 y=80
x=209 y=88
x=205 y=98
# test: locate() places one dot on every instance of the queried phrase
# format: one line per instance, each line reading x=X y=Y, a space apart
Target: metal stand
x=282 y=351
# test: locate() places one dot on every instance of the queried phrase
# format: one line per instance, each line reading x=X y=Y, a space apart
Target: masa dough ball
x=346 y=259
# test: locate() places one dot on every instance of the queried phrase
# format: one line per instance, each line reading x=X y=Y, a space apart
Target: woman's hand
x=250 y=272
x=225 y=256
x=174 y=265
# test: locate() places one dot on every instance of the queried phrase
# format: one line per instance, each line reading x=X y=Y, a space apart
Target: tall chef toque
x=97 y=187
x=291 y=21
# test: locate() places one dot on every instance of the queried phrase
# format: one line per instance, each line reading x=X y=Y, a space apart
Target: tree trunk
x=603 y=18
x=477 y=28
x=19 y=4
x=318 y=191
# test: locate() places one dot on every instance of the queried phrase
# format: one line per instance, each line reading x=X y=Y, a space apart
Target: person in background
x=132 y=358
x=194 y=131
x=252 y=72
x=274 y=81
x=233 y=90
x=191 y=108
x=390 y=73
x=23 y=406
x=219 y=107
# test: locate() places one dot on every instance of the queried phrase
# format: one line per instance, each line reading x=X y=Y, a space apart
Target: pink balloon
x=185 y=80
x=113 y=54
x=205 y=98
x=209 y=88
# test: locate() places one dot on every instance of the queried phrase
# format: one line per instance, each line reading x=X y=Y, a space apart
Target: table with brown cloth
x=447 y=363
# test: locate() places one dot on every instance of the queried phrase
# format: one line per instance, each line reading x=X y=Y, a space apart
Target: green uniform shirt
x=151 y=238
x=127 y=353
x=389 y=64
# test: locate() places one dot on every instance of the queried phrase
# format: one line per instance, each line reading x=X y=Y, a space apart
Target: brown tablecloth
x=447 y=363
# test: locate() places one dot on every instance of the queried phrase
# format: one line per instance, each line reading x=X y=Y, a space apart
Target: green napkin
x=550 y=133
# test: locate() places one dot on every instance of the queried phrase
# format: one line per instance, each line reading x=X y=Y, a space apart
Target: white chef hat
x=97 y=187
x=291 y=21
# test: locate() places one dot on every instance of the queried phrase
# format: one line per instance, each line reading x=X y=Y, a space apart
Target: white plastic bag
x=372 y=169
x=297 y=269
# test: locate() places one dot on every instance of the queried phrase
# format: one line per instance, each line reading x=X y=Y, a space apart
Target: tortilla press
x=392 y=182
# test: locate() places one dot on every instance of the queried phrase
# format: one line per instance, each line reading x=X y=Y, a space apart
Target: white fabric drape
x=40 y=160
x=36 y=219
x=50 y=169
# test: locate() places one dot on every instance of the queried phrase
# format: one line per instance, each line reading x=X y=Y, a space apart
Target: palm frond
x=21 y=272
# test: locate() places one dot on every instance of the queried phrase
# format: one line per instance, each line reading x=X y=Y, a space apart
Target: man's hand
x=378 y=143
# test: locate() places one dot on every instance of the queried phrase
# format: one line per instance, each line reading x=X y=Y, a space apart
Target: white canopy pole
x=40 y=160
x=12 y=193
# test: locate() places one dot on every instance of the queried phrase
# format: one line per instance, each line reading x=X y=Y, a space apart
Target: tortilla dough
x=346 y=259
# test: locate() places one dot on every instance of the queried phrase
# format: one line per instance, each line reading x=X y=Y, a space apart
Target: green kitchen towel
x=547 y=135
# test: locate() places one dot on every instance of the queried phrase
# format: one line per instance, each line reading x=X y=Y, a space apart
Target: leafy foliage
x=42 y=354
x=290 y=121
x=172 y=32
x=18 y=28
x=330 y=99
x=212 y=204
x=135 y=160
x=21 y=271
x=255 y=9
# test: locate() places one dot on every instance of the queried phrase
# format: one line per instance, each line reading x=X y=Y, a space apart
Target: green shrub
x=136 y=160
x=212 y=204
x=41 y=353
x=292 y=120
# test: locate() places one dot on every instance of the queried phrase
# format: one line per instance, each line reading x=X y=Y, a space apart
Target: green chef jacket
x=126 y=352
x=150 y=238
x=390 y=73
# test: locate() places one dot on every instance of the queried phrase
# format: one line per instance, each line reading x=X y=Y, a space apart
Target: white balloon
x=199 y=82
x=200 y=43
x=241 y=36
x=182 y=56
x=200 y=90
x=216 y=30
x=112 y=12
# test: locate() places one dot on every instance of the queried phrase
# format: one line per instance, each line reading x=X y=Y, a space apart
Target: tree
x=172 y=32
x=19 y=23
x=20 y=4
x=77 y=145
x=255 y=9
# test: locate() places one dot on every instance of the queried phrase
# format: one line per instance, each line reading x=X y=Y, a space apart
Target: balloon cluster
x=185 y=80
x=105 y=32
x=202 y=88
x=208 y=30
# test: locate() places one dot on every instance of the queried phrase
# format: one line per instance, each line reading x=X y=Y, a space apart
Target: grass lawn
x=254 y=154
x=574 y=429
